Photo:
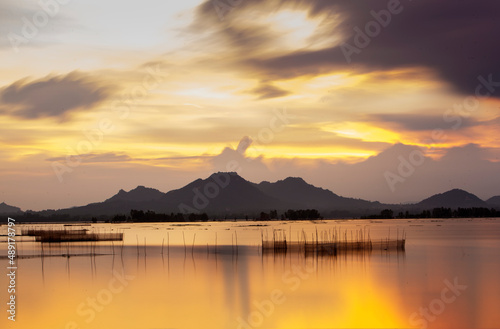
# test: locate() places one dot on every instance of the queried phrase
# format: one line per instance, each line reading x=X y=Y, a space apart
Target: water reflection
x=156 y=280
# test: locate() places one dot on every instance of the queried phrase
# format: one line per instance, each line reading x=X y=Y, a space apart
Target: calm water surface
x=175 y=276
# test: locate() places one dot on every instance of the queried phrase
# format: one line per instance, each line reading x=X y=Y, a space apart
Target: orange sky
x=122 y=94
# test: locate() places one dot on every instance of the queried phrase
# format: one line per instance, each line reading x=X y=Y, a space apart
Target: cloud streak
x=266 y=91
x=417 y=122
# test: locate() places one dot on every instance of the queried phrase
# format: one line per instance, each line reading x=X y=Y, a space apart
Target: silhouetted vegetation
x=439 y=213
x=384 y=214
x=151 y=216
x=264 y=216
x=290 y=214
x=302 y=214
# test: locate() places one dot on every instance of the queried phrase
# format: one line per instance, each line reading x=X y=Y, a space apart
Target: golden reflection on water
x=180 y=287
x=199 y=291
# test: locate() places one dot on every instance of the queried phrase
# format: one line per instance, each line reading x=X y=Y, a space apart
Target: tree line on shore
x=300 y=214
x=440 y=212
x=151 y=216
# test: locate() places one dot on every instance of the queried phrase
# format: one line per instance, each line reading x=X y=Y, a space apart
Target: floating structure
x=331 y=243
x=76 y=235
x=40 y=232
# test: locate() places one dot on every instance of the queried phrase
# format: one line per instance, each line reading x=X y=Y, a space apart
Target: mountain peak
x=230 y=173
x=455 y=198
x=457 y=191
x=139 y=194
x=7 y=209
x=494 y=201
x=295 y=179
x=297 y=191
x=288 y=181
x=221 y=192
x=142 y=188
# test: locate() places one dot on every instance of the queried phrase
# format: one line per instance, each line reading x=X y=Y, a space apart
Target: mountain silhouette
x=6 y=209
x=296 y=191
x=494 y=201
x=139 y=194
x=140 y=198
x=226 y=194
x=455 y=198
x=222 y=194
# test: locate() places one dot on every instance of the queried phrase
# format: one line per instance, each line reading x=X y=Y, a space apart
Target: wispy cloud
x=52 y=96
x=416 y=122
x=266 y=91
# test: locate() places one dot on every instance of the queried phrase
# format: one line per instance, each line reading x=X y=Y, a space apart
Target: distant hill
x=139 y=194
x=494 y=201
x=6 y=209
x=296 y=191
x=140 y=198
x=455 y=198
x=222 y=193
x=229 y=195
x=225 y=194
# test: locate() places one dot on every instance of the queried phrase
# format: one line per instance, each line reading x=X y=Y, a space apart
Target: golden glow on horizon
x=363 y=131
x=284 y=152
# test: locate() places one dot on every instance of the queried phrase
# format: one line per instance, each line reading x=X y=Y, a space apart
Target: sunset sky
x=100 y=96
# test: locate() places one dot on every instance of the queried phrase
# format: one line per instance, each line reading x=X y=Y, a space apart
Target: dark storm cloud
x=456 y=39
x=54 y=96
